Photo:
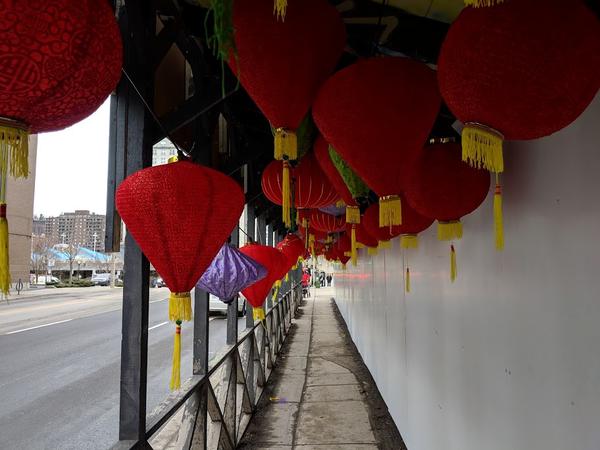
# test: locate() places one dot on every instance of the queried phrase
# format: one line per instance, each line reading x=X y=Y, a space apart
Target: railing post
x=250 y=223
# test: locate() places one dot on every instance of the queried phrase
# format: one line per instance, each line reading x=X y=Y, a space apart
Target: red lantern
x=326 y=222
x=272 y=259
x=412 y=224
x=311 y=187
x=445 y=188
x=179 y=214
x=363 y=237
x=321 y=149
x=58 y=62
x=520 y=70
x=293 y=248
x=282 y=64
x=377 y=114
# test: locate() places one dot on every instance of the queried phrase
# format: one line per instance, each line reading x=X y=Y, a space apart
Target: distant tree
x=70 y=251
x=40 y=247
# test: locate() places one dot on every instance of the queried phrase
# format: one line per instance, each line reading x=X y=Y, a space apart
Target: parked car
x=217 y=306
x=158 y=282
x=101 y=279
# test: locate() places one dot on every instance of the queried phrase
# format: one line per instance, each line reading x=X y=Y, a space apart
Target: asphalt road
x=60 y=363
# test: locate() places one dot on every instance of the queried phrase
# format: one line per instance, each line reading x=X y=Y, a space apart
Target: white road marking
x=156 y=301
x=39 y=326
x=159 y=325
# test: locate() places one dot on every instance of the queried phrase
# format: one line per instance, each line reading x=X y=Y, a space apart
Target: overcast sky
x=72 y=167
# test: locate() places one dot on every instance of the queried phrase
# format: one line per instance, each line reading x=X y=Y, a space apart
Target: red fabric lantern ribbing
x=321 y=149
x=293 y=248
x=326 y=222
x=311 y=187
x=377 y=114
x=272 y=259
x=179 y=214
x=363 y=236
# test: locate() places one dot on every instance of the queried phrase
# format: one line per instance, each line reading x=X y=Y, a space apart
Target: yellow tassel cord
x=275 y=294
x=279 y=9
x=286 y=144
x=286 y=196
x=14 y=148
x=372 y=251
x=407 y=280
x=409 y=241
x=448 y=231
x=482 y=147
x=4 y=263
x=258 y=313
x=384 y=245
x=353 y=248
x=180 y=306
x=360 y=245
x=390 y=211
x=176 y=367
x=453 y=271
x=352 y=214
x=482 y=3
x=498 y=219
x=287 y=277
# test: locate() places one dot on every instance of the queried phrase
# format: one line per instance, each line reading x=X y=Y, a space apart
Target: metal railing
x=212 y=411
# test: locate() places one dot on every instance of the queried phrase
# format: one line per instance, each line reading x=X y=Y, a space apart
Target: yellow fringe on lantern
x=407 y=280
x=352 y=214
x=4 y=262
x=343 y=266
x=14 y=143
x=172 y=159
x=498 y=220
x=258 y=313
x=287 y=277
x=286 y=196
x=340 y=203
x=390 y=211
x=360 y=245
x=448 y=231
x=286 y=144
x=279 y=9
x=353 y=247
x=409 y=241
x=176 y=366
x=349 y=254
x=275 y=294
x=372 y=251
x=180 y=306
x=453 y=270
x=481 y=3
x=384 y=245
x=482 y=147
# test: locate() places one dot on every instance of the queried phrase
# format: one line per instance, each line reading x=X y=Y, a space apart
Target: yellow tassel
x=448 y=231
x=353 y=251
x=409 y=241
x=258 y=313
x=360 y=245
x=482 y=147
x=407 y=280
x=498 y=222
x=343 y=266
x=176 y=367
x=453 y=271
x=340 y=204
x=286 y=194
x=275 y=293
x=14 y=143
x=180 y=306
x=172 y=159
x=390 y=211
x=481 y=3
x=352 y=214
x=305 y=223
x=384 y=245
x=279 y=9
x=287 y=276
x=286 y=144
x=278 y=284
x=348 y=254
x=4 y=262
x=372 y=251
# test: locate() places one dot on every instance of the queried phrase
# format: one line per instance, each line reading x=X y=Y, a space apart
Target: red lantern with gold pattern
x=377 y=114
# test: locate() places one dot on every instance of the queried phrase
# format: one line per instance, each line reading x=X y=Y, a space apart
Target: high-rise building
x=162 y=151
x=80 y=228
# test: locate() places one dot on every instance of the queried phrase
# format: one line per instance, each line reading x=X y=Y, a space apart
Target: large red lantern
x=364 y=237
x=179 y=214
x=293 y=248
x=58 y=62
x=377 y=114
x=282 y=64
x=445 y=188
x=326 y=222
x=520 y=70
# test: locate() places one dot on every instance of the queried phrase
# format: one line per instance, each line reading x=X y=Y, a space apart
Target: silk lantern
x=281 y=64
x=256 y=293
x=293 y=248
x=377 y=114
x=445 y=188
x=58 y=63
x=520 y=70
x=326 y=222
x=179 y=214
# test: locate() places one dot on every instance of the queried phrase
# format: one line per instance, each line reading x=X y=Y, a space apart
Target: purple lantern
x=230 y=272
x=334 y=210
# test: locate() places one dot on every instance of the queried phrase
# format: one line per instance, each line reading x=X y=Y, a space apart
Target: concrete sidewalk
x=321 y=395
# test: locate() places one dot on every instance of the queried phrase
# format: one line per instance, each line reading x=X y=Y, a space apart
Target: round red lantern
x=293 y=248
x=326 y=222
x=523 y=69
x=58 y=62
x=363 y=237
x=321 y=149
x=272 y=259
x=377 y=114
x=179 y=214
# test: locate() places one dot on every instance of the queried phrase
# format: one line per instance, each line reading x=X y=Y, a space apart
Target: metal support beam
x=232 y=320
x=249 y=228
x=269 y=240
